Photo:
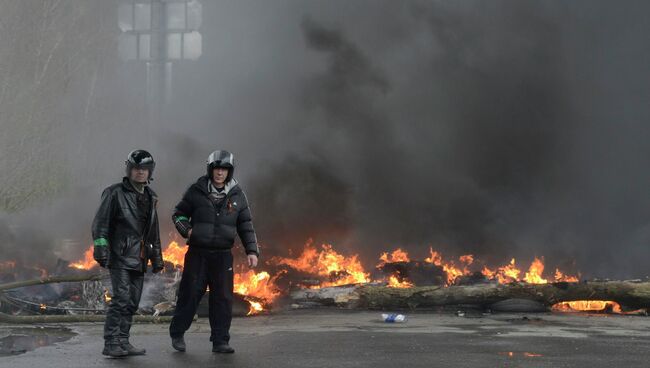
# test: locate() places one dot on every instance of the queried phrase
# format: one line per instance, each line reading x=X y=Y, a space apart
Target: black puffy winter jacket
x=116 y=228
x=215 y=226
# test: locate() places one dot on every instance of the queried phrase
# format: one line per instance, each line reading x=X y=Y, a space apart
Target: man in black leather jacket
x=126 y=238
x=213 y=210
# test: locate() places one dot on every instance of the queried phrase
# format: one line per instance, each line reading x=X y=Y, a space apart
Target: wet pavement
x=332 y=338
x=19 y=340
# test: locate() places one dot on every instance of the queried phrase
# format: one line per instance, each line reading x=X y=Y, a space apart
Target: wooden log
x=338 y=295
x=629 y=294
x=66 y=318
x=51 y=279
x=632 y=295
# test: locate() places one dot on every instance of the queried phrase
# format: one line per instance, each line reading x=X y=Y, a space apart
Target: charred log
x=629 y=294
x=7 y=318
x=51 y=279
x=418 y=273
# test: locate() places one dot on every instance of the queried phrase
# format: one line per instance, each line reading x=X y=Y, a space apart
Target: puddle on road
x=14 y=341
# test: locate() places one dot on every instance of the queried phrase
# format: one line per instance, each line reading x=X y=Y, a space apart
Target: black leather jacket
x=116 y=231
x=215 y=226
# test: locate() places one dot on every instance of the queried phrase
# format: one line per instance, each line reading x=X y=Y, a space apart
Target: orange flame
x=532 y=355
x=588 y=306
x=327 y=263
x=451 y=270
x=337 y=269
x=259 y=285
x=534 y=274
x=175 y=254
x=394 y=282
x=398 y=255
x=510 y=273
x=467 y=259
x=107 y=296
x=560 y=277
x=255 y=307
x=503 y=274
x=87 y=262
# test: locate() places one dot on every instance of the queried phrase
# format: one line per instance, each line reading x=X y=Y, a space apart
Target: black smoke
x=472 y=127
x=502 y=129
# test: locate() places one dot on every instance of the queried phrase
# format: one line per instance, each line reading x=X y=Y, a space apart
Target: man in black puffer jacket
x=212 y=211
x=126 y=237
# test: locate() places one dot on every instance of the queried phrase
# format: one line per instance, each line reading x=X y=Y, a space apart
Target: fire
x=435 y=257
x=534 y=274
x=259 y=285
x=560 y=277
x=393 y=281
x=504 y=274
x=398 y=255
x=255 y=307
x=532 y=355
x=328 y=263
x=588 y=306
x=334 y=269
x=87 y=262
x=467 y=259
x=107 y=296
x=510 y=273
x=175 y=254
x=511 y=354
x=450 y=268
x=42 y=307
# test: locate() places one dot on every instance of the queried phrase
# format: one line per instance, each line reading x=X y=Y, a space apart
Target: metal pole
x=159 y=69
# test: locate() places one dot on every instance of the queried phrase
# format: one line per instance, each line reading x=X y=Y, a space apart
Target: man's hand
x=100 y=254
x=252 y=260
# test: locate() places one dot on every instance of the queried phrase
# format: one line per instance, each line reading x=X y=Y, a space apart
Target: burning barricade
x=320 y=275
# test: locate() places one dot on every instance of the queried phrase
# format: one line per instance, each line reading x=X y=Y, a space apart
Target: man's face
x=219 y=175
x=139 y=175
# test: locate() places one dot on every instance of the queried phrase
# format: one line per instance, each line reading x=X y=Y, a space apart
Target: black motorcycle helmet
x=140 y=159
x=223 y=159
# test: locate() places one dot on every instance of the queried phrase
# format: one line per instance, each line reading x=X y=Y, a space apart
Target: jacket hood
x=203 y=184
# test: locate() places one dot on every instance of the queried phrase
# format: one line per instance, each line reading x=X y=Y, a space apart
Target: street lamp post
x=158 y=33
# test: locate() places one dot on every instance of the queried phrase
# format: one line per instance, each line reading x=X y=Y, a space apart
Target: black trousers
x=204 y=268
x=127 y=290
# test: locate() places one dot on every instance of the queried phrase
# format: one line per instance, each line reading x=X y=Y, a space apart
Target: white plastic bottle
x=393 y=318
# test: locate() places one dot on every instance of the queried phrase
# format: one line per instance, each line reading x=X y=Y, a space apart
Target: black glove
x=100 y=254
x=157 y=263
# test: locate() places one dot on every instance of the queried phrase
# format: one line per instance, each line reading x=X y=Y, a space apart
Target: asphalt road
x=334 y=338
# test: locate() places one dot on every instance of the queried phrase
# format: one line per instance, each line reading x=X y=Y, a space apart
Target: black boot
x=178 y=343
x=130 y=349
x=114 y=349
x=222 y=348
